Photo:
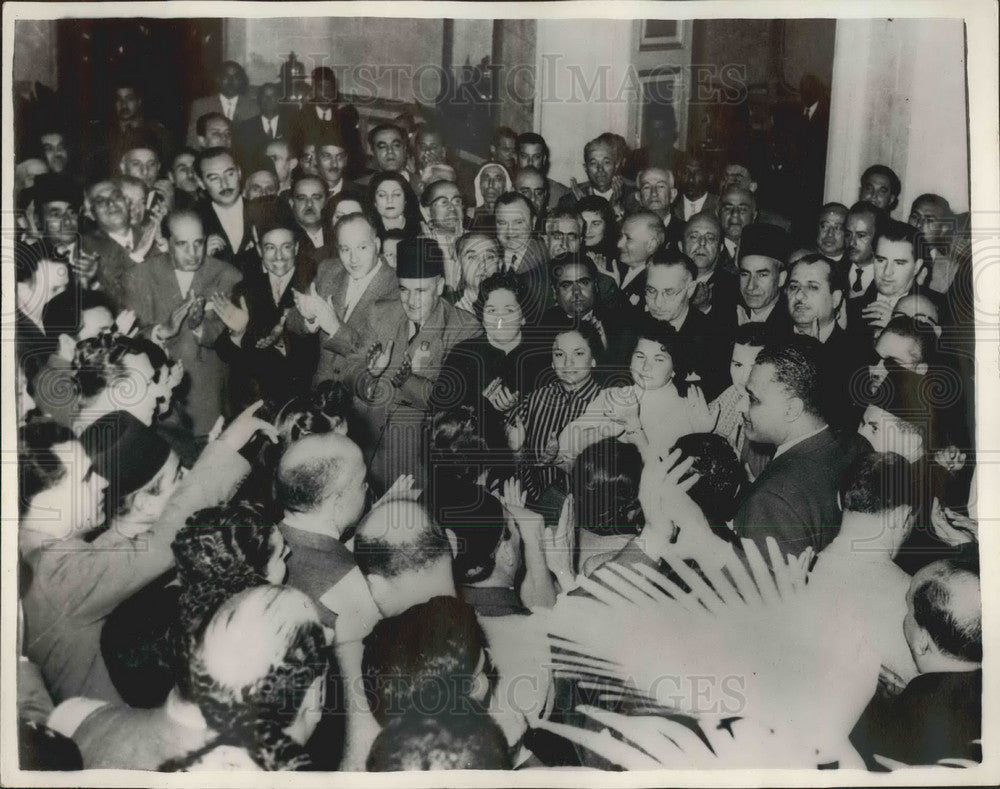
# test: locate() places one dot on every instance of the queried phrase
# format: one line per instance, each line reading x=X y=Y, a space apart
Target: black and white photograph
x=553 y=394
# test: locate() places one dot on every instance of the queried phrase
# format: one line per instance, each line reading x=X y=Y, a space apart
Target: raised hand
x=304 y=303
x=703 y=419
x=559 y=545
x=125 y=322
x=235 y=317
x=550 y=452
x=515 y=432
x=401 y=490
x=273 y=337
x=214 y=243
x=500 y=397
x=325 y=313
x=877 y=314
x=197 y=313
x=379 y=357
x=951 y=527
x=176 y=319
x=245 y=425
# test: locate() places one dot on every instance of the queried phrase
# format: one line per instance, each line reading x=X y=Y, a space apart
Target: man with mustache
x=307 y=199
x=389 y=151
x=737 y=209
x=224 y=214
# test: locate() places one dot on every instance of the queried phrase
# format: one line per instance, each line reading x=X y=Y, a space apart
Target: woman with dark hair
x=600 y=231
x=489 y=373
x=534 y=424
x=395 y=205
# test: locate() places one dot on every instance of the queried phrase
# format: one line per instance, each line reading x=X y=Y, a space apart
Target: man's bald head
x=398 y=537
x=919 y=307
x=317 y=468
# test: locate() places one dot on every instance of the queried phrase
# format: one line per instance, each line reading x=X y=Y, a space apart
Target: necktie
x=276 y=290
x=856 y=287
x=512 y=265
x=415 y=331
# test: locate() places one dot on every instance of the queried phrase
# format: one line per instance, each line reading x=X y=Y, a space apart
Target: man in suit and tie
x=267 y=360
x=898 y=251
x=815 y=291
x=285 y=161
x=642 y=234
x=389 y=149
x=307 y=199
x=399 y=358
x=522 y=251
x=695 y=196
x=251 y=137
x=701 y=353
x=737 y=209
x=763 y=252
x=717 y=289
x=225 y=214
x=170 y=294
x=231 y=100
x=347 y=285
x=324 y=113
x=860 y=227
x=794 y=499
x=656 y=193
x=128 y=119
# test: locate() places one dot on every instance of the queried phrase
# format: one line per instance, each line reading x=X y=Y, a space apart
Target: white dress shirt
x=631 y=273
x=184 y=280
x=231 y=219
x=228 y=106
x=692 y=207
x=755 y=316
x=356 y=289
x=867 y=275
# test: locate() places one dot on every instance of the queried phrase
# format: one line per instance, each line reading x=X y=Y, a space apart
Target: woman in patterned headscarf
x=257 y=674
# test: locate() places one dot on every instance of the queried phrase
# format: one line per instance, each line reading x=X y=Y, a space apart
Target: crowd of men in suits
x=452 y=389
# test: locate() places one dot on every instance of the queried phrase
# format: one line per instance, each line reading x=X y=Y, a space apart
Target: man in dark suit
x=717 y=289
x=129 y=119
x=794 y=499
x=399 y=357
x=231 y=100
x=701 y=353
x=860 y=226
x=266 y=359
x=815 y=292
x=694 y=195
x=250 y=137
x=574 y=279
x=114 y=242
x=324 y=114
x=642 y=234
x=812 y=133
x=307 y=200
x=763 y=252
x=225 y=215
x=170 y=294
x=348 y=285
x=737 y=209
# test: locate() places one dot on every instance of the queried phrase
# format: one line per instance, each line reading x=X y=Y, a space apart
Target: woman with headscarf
x=491 y=181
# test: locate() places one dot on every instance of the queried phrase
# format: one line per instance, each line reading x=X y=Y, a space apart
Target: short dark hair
x=241 y=72
x=201 y=125
x=933 y=608
x=39 y=468
x=427 y=195
x=586 y=329
x=64 y=313
x=722 y=478
x=894 y=230
x=375 y=556
x=423 y=661
x=502 y=280
x=441 y=742
x=870 y=209
x=876 y=483
x=376 y=130
x=98 y=360
x=796 y=367
x=559 y=262
x=917 y=330
x=660 y=332
x=936 y=200
x=755 y=334
x=672 y=257
x=532 y=138
x=185 y=151
x=503 y=132
x=836 y=276
x=211 y=153
x=510 y=198
x=605 y=487
x=895 y=186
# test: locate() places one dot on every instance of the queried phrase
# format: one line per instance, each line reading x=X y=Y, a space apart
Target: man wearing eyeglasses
x=113 y=242
x=444 y=209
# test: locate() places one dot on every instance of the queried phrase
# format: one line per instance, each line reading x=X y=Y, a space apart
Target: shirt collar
x=362 y=284
x=824 y=332
x=789 y=444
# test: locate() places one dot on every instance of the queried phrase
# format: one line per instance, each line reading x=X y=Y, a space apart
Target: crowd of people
x=340 y=450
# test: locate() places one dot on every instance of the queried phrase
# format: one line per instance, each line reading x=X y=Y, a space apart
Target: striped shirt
x=545 y=412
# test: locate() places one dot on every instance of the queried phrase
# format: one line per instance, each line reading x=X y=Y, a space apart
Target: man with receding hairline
x=656 y=193
x=641 y=235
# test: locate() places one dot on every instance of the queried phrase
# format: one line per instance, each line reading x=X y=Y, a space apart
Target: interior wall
x=898 y=99
x=35 y=57
x=395 y=59
x=516 y=58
